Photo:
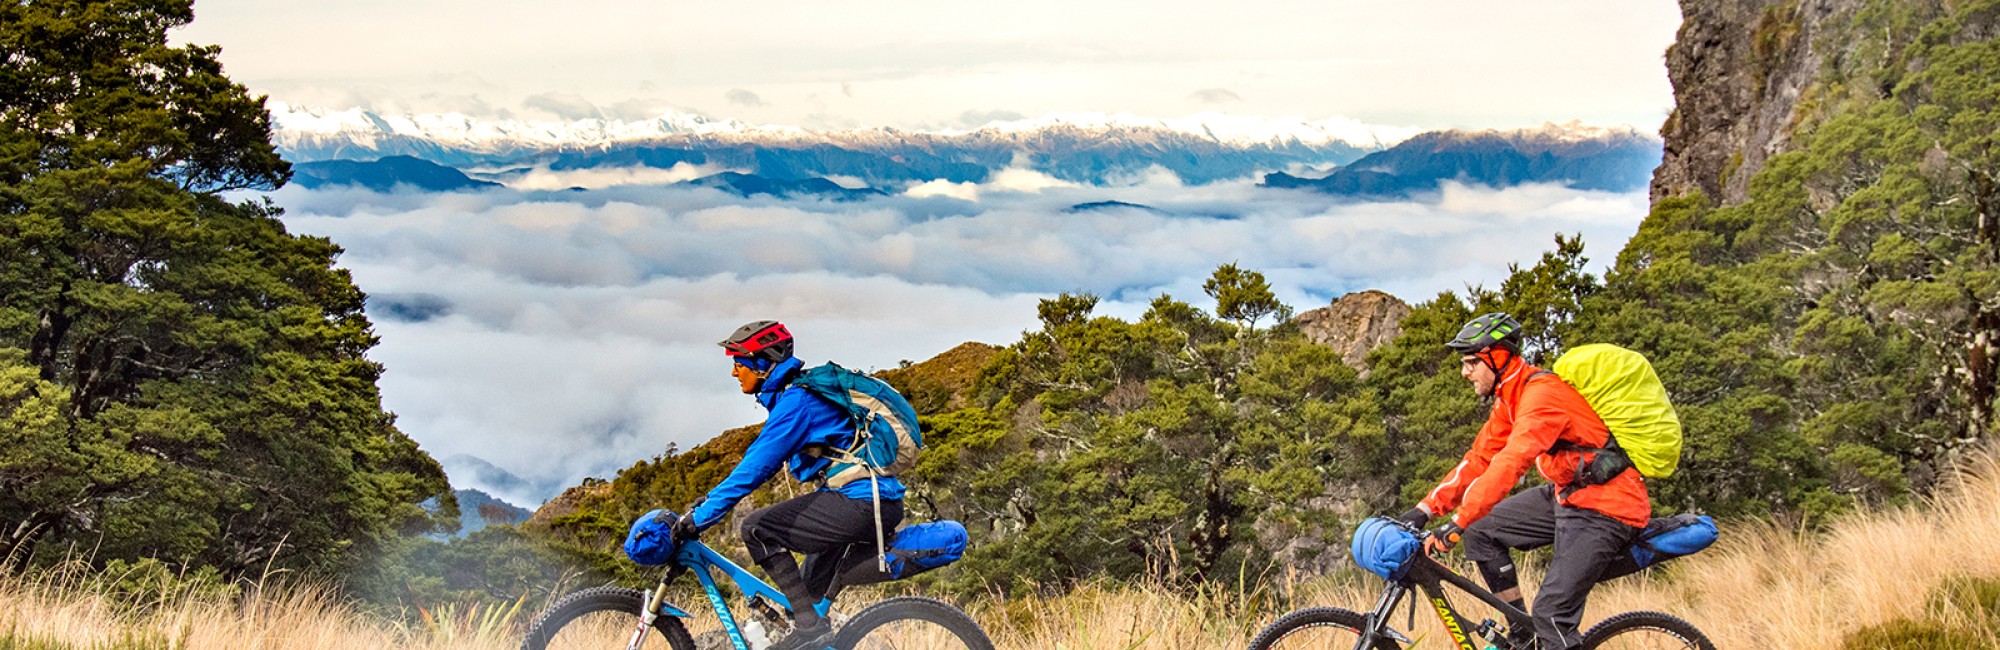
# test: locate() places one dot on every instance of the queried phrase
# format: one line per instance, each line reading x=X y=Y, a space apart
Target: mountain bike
x=1333 y=627
x=617 y=617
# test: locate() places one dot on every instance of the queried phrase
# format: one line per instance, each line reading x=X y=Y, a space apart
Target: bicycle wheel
x=1645 y=631
x=602 y=617
x=911 y=623
x=1317 y=627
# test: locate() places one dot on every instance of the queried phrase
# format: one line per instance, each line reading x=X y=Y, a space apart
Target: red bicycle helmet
x=764 y=339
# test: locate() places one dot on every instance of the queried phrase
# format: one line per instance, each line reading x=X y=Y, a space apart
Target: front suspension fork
x=649 y=610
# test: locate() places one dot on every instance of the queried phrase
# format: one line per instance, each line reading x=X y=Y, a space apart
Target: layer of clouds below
x=559 y=335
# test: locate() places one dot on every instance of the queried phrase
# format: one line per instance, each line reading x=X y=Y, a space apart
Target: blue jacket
x=798 y=419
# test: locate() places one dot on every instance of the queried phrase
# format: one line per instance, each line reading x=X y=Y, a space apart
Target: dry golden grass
x=1760 y=587
x=59 y=610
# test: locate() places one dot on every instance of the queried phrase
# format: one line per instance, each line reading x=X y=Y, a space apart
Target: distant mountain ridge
x=385 y=174
x=748 y=185
x=1582 y=157
x=1080 y=148
x=477 y=510
x=1086 y=148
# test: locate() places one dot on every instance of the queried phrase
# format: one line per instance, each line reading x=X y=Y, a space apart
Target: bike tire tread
x=912 y=607
x=1611 y=627
x=1314 y=617
x=600 y=599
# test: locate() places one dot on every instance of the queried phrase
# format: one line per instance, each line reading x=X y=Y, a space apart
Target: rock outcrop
x=1742 y=72
x=1355 y=324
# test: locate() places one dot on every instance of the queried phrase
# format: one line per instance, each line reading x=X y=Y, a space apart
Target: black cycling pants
x=821 y=525
x=1586 y=541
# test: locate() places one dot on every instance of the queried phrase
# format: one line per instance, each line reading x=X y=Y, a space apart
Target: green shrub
x=149 y=582
x=1977 y=598
x=1905 y=634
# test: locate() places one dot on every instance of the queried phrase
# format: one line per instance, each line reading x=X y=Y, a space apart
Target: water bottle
x=753 y=634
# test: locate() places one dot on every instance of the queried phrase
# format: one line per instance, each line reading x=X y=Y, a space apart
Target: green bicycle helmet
x=1486 y=331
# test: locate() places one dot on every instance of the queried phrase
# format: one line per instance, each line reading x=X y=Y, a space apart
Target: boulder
x=1355 y=324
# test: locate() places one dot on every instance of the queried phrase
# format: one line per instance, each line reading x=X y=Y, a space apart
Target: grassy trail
x=1922 y=575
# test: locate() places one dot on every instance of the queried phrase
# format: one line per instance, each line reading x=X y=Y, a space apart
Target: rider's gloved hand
x=684 y=529
x=1443 y=539
x=1416 y=518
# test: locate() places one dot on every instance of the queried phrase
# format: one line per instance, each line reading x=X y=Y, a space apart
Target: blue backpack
x=886 y=437
x=1667 y=538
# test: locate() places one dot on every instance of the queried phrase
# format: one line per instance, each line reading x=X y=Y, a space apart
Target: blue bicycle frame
x=703 y=561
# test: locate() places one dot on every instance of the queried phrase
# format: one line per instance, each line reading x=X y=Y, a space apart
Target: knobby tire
x=904 y=608
x=1631 y=624
x=601 y=599
x=1316 y=617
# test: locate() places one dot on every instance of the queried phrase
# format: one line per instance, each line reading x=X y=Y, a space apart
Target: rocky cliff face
x=1742 y=72
x=1355 y=324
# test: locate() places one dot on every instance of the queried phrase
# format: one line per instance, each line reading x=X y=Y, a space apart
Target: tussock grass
x=68 y=609
x=1913 y=577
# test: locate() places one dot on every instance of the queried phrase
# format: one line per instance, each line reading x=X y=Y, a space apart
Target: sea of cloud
x=535 y=337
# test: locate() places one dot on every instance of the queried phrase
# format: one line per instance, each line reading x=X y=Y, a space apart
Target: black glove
x=684 y=529
x=1443 y=539
x=1416 y=518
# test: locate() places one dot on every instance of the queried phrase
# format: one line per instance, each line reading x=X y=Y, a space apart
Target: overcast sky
x=1428 y=63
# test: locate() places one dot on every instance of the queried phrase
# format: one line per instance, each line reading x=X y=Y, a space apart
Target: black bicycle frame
x=1431 y=577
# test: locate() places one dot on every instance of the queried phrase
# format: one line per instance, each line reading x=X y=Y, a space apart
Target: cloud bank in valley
x=563 y=334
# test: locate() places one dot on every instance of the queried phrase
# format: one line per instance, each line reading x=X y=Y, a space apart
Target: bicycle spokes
x=602 y=631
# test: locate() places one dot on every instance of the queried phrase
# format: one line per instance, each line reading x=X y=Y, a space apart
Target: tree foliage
x=1832 y=338
x=184 y=379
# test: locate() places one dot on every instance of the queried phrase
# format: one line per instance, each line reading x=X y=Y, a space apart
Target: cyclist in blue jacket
x=823 y=525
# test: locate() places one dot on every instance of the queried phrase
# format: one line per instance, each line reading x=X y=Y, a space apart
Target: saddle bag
x=914 y=550
x=1666 y=538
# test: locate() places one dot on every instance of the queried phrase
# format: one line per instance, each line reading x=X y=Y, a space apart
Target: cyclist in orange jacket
x=1592 y=508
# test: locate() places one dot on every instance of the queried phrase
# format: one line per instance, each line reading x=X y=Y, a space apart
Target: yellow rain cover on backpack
x=1621 y=386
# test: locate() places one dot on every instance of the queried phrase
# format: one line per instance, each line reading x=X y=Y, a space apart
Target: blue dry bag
x=651 y=541
x=1667 y=538
x=923 y=547
x=1384 y=548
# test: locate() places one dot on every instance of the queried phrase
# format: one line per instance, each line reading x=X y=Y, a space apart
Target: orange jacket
x=1530 y=413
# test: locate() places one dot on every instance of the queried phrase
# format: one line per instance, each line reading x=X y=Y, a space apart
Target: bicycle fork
x=647 y=612
x=1378 y=619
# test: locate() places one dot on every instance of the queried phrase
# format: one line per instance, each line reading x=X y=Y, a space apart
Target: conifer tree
x=180 y=377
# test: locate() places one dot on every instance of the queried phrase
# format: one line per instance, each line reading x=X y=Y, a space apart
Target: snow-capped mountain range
x=1076 y=147
x=309 y=131
x=1089 y=148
